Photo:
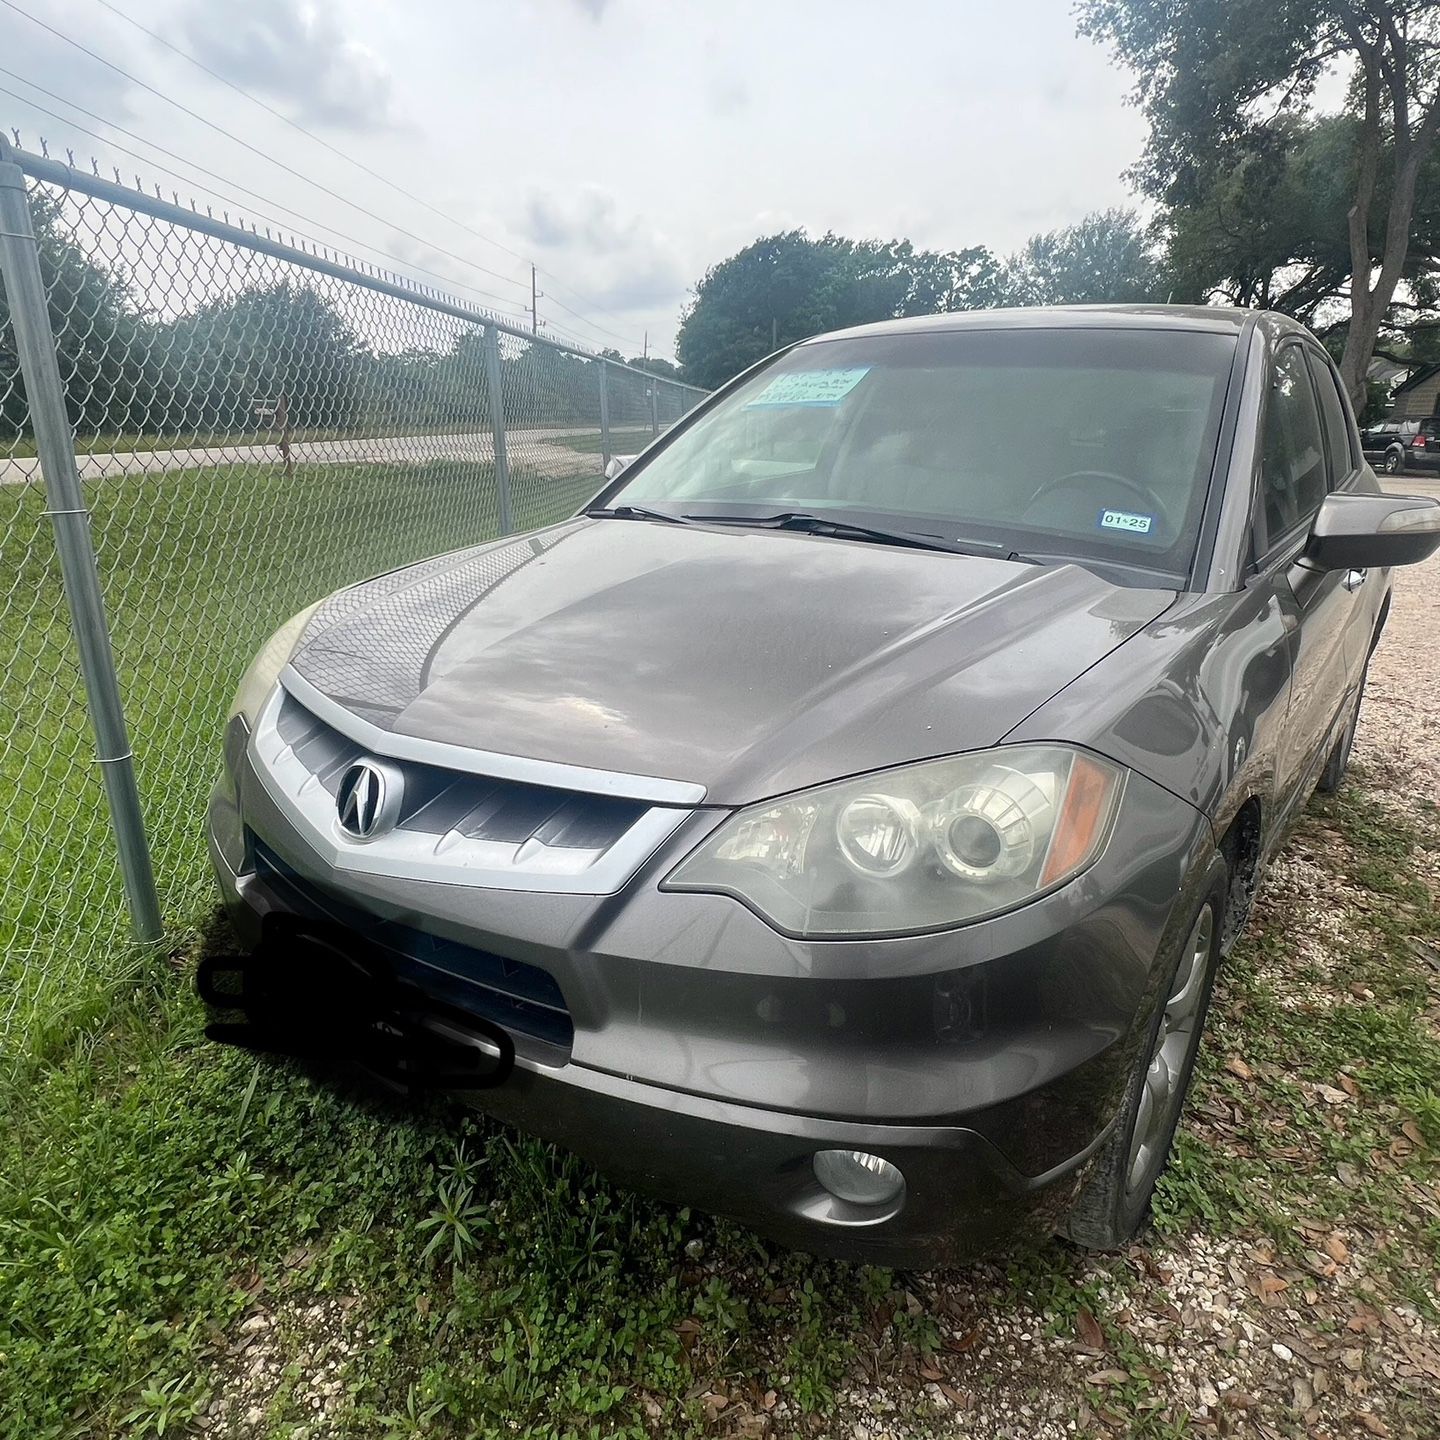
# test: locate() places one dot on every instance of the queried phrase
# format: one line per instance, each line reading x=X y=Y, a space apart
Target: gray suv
x=839 y=822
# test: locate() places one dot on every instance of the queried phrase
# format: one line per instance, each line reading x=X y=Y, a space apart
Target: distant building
x=1418 y=396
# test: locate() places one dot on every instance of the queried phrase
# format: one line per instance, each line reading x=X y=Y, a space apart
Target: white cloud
x=618 y=260
x=296 y=52
x=626 y=147
x=67 y=72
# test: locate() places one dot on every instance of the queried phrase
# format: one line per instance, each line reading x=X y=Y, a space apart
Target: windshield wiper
x=635 y=512
x=849 y=530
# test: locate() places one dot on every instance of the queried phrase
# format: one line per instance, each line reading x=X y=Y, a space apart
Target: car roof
x=1214 y=319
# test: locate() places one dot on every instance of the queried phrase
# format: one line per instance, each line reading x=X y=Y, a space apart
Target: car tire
x=1394 y=462
x=1339 y=761
x=1114 y=1202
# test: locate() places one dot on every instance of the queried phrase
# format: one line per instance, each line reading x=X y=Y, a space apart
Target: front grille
x=522 y=999
x=444 y=802
x=452 y=825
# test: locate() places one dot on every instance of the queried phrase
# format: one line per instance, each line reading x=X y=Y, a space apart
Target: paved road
x=1427 y=484
x=534 y=448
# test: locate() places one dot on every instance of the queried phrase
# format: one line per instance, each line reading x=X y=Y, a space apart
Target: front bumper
x=705 y=1058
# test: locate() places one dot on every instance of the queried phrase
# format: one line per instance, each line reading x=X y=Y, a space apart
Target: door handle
x=1354 y=579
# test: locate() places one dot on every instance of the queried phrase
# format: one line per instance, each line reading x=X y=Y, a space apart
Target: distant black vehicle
x=1399 y=445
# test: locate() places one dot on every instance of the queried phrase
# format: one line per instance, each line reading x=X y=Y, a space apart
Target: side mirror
x=1363 y=532
x=615 y=466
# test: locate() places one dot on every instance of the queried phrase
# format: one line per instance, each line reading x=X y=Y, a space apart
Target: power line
x=348 y=240
x=577 y=341
x=375 y=174
x=255 y=150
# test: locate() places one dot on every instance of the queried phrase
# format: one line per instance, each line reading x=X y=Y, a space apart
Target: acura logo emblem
x=368 y=801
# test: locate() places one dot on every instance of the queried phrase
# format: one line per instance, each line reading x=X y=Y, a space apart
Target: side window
x=1293 y=477
x=1332 y=416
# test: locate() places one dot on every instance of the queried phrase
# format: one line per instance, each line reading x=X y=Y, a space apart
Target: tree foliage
x=217 y=368
x=652 y=365
x=101 y=341
x=784 y=287
x=1108 y=258
x=1249 y=171
x=278 y=339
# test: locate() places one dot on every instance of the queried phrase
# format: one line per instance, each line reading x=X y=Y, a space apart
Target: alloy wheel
x=1178 y=1033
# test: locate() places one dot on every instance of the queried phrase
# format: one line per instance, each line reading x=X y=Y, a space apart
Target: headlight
x=918 y=848
x=259 y=680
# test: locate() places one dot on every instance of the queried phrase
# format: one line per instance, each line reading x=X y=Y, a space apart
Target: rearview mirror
x=615 y=466
x=1360 y=532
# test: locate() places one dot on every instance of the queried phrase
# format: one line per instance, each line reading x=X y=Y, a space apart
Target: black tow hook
x=315 y=996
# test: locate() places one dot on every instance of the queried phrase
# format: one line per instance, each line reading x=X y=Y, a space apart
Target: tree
x=279 y=339
x=1106 y=259
x=1270 y=230
x=782 y=288
x=654 y=366
x=108 y=360
x=1222 y=83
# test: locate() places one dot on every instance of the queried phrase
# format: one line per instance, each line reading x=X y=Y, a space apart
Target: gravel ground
x=1399 y=738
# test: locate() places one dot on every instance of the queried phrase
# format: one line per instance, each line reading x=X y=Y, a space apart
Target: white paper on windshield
x=810 y=387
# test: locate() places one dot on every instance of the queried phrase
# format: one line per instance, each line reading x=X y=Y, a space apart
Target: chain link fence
x=252 y=425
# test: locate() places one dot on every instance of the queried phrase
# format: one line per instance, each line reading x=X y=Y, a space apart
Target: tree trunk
x=1364 y=327
x=1369 y=304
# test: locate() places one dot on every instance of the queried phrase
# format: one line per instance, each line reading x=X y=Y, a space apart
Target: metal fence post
x=604 y=416
x=65 y=502
x=497 y=426
x=654 y=406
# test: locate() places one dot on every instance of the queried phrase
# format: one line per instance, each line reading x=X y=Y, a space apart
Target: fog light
x=855 y=1176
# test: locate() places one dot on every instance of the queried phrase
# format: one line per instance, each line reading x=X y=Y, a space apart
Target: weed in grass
x=166 y=1409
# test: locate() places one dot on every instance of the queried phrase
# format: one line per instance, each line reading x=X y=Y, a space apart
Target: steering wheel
x=1149 y=501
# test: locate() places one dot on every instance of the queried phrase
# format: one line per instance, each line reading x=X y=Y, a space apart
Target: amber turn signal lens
x=1083 y=817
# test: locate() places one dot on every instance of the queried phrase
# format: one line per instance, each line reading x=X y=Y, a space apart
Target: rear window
x=1088 y=444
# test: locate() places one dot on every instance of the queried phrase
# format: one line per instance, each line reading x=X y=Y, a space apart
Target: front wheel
x=1115 y=1200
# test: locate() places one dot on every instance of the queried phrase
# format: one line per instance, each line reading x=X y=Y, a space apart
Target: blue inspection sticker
x=1126 y=520
x=810 y=387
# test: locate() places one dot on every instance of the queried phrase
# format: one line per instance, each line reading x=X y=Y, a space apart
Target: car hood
x=750 y=662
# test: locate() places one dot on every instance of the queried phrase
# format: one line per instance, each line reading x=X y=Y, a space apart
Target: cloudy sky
x=623 y=145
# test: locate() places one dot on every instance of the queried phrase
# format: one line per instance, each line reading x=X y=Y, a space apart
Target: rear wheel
x=1394 y=462
x=1116 y=1198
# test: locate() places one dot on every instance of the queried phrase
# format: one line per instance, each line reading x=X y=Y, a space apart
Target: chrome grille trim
x=467 y=827
x=552 y=773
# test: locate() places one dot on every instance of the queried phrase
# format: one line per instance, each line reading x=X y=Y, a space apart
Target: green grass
x=511 y=1285
x=622 y=442
x=197 y=568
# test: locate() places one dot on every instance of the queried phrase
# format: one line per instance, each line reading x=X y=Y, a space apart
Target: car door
x=1345 y=469
x=1318 y=606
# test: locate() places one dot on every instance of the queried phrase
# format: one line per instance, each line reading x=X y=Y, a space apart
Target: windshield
x=1091 y=444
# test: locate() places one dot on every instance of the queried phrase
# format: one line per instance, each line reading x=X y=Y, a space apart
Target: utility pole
x=534 y=303
x=645 y=346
